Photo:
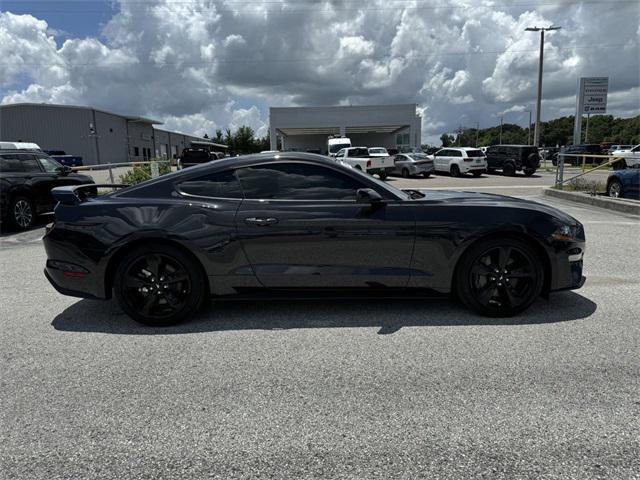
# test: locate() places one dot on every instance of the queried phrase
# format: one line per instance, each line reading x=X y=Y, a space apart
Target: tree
x=446 y=139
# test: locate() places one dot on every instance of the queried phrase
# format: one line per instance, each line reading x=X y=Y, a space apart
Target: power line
x=292 y=60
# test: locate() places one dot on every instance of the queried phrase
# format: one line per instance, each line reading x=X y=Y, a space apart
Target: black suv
x=590 y=149
x=26 y=180
x=513 y=158
x=196 y=156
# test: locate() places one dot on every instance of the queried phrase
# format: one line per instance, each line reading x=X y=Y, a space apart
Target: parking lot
x=348 y=389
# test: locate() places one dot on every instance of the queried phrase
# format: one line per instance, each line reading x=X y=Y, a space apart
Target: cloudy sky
x=199 y=65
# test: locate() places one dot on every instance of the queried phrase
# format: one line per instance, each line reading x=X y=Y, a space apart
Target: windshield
x=419 y=156
x=335 y=147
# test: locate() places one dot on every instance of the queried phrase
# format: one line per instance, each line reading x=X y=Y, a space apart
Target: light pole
x=529 y=130
x=536 y=134
x=501 y=119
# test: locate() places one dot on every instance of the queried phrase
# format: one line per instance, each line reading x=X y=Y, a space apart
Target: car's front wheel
x=499 y=277
x=426 y=174
x=382 y=175
x=22 y=213
x=159 y=285
x=477 y=173
x=615 y=188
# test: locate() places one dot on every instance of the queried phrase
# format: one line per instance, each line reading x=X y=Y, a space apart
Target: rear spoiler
x=76 y=194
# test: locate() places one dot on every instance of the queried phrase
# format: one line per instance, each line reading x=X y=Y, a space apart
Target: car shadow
x=389 y=315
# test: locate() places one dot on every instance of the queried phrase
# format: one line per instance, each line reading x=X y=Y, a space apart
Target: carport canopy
x=336 y=130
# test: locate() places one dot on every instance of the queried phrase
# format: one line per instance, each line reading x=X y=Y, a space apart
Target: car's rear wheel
x=159 y=285
x=382 y=175
x=615 y=189
x=499 y=277
x=405 y=173
x=509 y=170
x=455 y=171
x=22 y=213
x=529 y=171
x=426 y=174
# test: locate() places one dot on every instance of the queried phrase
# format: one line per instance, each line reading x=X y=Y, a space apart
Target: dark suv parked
x=26 y=180
x=513 y=158
x=593 y=149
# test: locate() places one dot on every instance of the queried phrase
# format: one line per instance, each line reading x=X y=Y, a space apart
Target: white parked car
x=458 y=161
x=378 y=152
x=359 y=158
x=631 y=156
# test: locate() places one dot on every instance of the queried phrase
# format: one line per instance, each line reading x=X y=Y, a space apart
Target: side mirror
x=65 y=170
x=368 y=195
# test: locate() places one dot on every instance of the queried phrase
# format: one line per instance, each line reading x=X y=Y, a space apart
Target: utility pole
x=477 y=132
x=501 y=119
x=529 y=130
x=536 y=134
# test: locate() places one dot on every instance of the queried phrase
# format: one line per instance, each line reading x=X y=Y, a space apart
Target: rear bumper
x=387 y=170
x=70 y=271
x=472 y=166
x=66 y=286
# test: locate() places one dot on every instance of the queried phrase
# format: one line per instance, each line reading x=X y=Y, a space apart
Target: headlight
x=565 y=233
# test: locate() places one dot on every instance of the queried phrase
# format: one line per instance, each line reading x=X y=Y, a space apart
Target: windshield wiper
x=415 y=194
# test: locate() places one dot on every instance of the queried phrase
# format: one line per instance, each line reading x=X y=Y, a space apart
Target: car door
x=41 y=182
x=399 y=161
x=301 y=227
x=439 y=159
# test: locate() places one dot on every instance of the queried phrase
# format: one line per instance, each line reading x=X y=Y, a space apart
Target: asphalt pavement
x=347 y=389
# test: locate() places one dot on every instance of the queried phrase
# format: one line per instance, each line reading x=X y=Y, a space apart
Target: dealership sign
x=590 y=99
x=594 y=91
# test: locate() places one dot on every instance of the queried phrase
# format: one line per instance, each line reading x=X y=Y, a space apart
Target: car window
x=340 y=153
x=442 y=153
x=29 y=164
x=10 y=163
x=297 y=181
x=455 y=153
x=217 y=185
x=475 y=153
x=49 y=165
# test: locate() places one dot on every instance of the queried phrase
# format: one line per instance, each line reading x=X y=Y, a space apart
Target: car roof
x=514 y=145
x=462 y=149
x=21 y=150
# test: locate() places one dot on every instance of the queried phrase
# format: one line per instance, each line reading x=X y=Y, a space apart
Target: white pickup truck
x=360 y=159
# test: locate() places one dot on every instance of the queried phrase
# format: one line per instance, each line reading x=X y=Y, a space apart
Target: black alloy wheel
x=509 y=169
x=159 y=286
x=499 y=277
x=405 y=173
x=455 y=171
x=615 y=188
x=22 y=213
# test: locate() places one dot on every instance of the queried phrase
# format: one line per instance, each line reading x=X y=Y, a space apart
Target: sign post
x=591 y=98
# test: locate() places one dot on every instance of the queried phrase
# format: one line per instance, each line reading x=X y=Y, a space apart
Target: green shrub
x=140 y=173
x=582 y=184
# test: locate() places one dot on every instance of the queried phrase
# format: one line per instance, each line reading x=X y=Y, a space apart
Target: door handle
x=261 y=222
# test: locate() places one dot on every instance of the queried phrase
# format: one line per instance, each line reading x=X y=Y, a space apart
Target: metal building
x=308 y=128
x=96 y=135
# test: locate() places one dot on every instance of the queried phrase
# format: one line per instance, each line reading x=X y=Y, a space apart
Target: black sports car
x=300 y=222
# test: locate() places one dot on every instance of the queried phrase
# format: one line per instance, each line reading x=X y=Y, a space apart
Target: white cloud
x=192 y=63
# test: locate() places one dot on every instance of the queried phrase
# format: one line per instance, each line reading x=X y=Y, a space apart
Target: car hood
x=492 y=199
x=82 y=178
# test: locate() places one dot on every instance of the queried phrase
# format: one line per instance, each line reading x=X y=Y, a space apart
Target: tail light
x=468 y=159
x=368 y=163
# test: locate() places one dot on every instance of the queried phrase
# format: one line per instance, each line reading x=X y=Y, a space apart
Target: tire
x=405 y=173
x=529 y=171
x=490 y=171
x=455 y=170
x=508 y=170
x=482 y=285
x=382 y=175
x=426 y=174
x=162 y=304
x=21 y=212
x=615 y=189
x=477 y=173
x=358 y=167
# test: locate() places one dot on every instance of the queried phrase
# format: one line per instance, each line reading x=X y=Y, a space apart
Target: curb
x=619 y=205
